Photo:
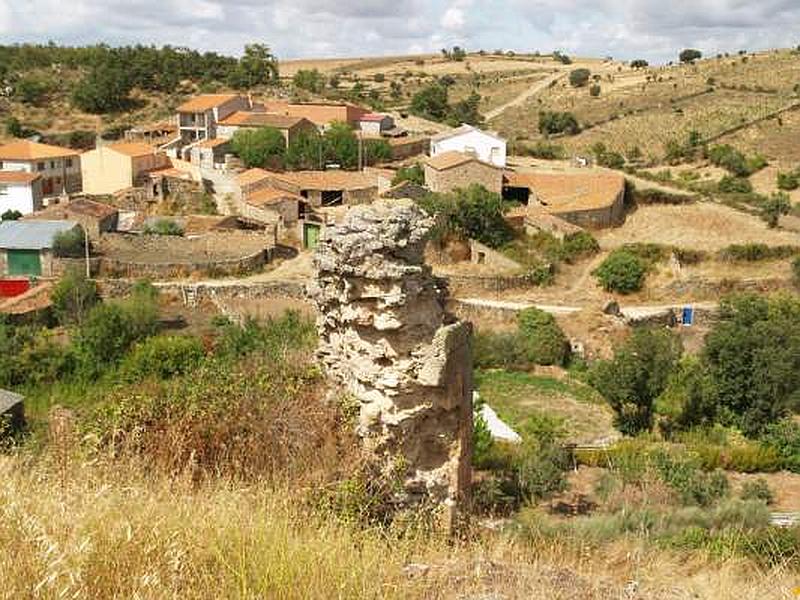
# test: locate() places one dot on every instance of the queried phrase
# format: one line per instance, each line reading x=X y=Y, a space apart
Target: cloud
x=651 y=29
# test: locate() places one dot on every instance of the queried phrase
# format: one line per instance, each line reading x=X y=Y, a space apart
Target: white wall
x=485 y=147
x=21 y=197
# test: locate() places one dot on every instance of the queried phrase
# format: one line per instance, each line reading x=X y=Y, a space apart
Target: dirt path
x=526 y=95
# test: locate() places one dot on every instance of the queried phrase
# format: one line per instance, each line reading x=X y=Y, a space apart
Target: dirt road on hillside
x=526 y=95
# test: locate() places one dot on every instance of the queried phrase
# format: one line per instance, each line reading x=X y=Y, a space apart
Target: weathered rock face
x=386 y=338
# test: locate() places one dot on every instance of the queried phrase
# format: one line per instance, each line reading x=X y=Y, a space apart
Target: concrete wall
x=26 y=198
x=483 y=146
x=463 y=176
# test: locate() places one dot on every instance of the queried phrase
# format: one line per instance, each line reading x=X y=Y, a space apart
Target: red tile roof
x=27 y=150
x=18 y=177
x=205 y=102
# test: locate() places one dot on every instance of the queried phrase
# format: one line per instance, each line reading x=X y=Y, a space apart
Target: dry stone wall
x=386 y=338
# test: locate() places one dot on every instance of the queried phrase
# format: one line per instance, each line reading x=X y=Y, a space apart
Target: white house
x=20 y=191
x=375 y=123
x=467 y=139
x=59 y=168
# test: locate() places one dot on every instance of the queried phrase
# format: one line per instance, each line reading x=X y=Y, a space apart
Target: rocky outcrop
x=386 y=338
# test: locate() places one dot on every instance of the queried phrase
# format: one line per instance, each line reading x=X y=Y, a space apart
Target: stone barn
x=453 y=170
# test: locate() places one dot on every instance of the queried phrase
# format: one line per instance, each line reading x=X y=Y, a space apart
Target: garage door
x=24 y=262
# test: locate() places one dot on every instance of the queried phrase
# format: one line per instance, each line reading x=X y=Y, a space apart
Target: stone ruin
x=387 y=340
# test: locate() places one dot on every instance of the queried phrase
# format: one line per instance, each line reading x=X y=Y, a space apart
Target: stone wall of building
x=462 y=176
x=387 y=340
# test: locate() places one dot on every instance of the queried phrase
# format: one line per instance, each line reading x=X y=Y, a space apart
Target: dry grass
x=114 y=531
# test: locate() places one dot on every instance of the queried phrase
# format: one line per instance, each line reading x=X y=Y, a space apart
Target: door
x=24 y=262
x=310 y=235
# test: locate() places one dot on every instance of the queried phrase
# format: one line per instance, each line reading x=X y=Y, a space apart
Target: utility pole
x=86 y=254
x=360 y=152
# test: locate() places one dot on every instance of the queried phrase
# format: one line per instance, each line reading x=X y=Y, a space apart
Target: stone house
x=59 y=168
x=592 y=200
x=317 y=188
x=290 y=127
x=486 y=147
x=109 y=169
x=288 y=206
x=20 y=191
x=96 y=218
x=453 y=170
x=198 y=117
x=26 y=247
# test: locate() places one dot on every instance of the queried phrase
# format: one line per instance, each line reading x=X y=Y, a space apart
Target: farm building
x=322 y=114
x=26 y=246
x=375 y=123
x=20 y=191
x=265 y=204
x=592 y=200
x=95 y=218
x=109 y=169
x=467 y=139
x=59 y=168
x=453 y=170
x=289 y=126
x=318 y=188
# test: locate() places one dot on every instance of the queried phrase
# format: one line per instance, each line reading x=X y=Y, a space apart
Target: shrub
x=639 y=63
x=622 y=272
x=545 y=151
x=70 y=244
x=11 y=215
x=545 y=342
x=551 y=123
x=754 y=252
x=595 y=90
x=784 y=438
x=578 y=245
x=414 y=174
x=788 y=181
x=500 y=350
x=636 y=376
x=309 y=79
x=757 y=490
x=163 y=227
x=73 y=297
x=692 y=486
x=796 y=271
x=729 y=184
x=579 y=77
x=777 y=205
x=162 y=357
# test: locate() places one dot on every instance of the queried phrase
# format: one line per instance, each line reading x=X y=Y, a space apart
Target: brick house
x=59 y=168
x=453 y=170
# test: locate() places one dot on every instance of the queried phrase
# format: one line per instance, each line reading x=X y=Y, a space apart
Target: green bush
x=276 y=338
x=796 y=271
x=551 y=123
x=754 y=252
x=163 y=227
x=789 y=181
x=757 y=490
x=70 y=244
x=162 y=357
x=579 y=77
x=545 y=342
x=260 y=147
x=783 y=437
x=11 y=215
x=622 y=272
x=544 y=150
x=693 y=486
x=500 y=350
x=579 y=245
x=773 y=208
x=595 y=90
x=73 y=297
x=730 y=184
x=414 y=174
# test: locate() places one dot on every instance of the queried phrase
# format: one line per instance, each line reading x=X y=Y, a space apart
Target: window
x=69 y=163
x=1 y=165
x=52 y=164
x=40 y=166
x=3 y=190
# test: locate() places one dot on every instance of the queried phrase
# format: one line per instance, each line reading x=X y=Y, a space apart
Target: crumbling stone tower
x=385 y=338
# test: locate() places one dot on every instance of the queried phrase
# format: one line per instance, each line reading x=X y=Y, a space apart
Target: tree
x=579 y=77
x=558 y=122
x=690 y=55
x=70 y=244
x=690 y=397
x=256 y=66
x=73 y=297
x=340 y=145
x=753 y=356
x=14 y=127
x=304 y=152
x=774 y=207
x=430 y=102
x=622 y=271
x=105 y=89
x=10 y=215
x=636 y=376
x=31 y=90
x=544 y=341
x=466 y=111
x=259 y=147
x=639 y=63
x=309 y=79
x=474 y=213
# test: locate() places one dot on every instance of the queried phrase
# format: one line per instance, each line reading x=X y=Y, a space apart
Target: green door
x=24 y=262
x=310 y=235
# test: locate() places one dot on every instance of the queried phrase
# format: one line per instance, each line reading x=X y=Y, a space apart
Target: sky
x=625 y=29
